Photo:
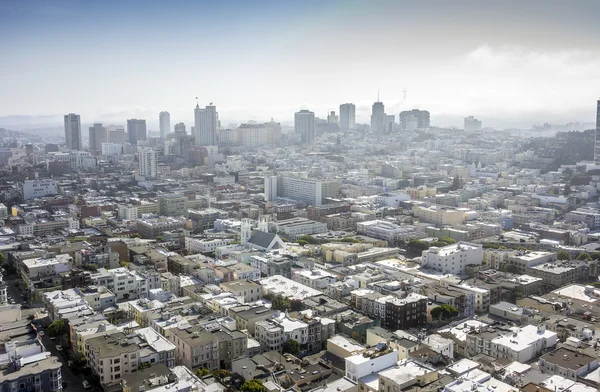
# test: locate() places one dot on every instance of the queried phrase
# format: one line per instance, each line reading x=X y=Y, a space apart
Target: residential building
x=369 y=362
x=295 y=227
x=153 y=227
x=422 y=116
x=472 y=124
x=274 y=332
x=245 y=290
x=148 y=163
x=452 y=259
x=205 y=125
x=172 y=205
x=37 y=372
x=316 y=278
x=310 y=192
x=407 y=312
x=570 y=364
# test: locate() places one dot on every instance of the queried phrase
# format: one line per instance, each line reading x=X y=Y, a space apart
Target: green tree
x=444 y=312
x=584 y=256
x=350 y=240
x=280 y=303
x=57 y=328
x=566 y=190
x=447 y=240
x=2 y=258
x=253 y=386
x=302 y=242
x=595 y=255
x=136 y=235
x=90 y=267
x=439 y=244
x=160 y=238
x=202 y=372
x=310 y=239
x=291 y=346
x=417 y=246
x=563 y=255
x=124 y=263
x=221 y=374
x=144 y=365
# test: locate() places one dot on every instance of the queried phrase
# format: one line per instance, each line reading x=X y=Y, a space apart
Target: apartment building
x=407 y=312
x=442 y=216
x=272 y=333
x=452 y=259
x=244 y=290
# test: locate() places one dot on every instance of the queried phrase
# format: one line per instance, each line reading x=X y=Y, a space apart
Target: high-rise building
x=180 y=127
x=115 y=134
x=136 y=130
x=73 y=131
x=270 y=188
x=472 y=124
x=147 y=162
x=97 y=137
x=421 y=115
x=205 y=125
x=597 y=142
x=164 y=119
x=304 y=124
x=332 y=118
x=378 y=117
x=347 y=116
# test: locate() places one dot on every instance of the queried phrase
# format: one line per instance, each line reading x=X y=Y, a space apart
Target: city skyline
x=538 y=68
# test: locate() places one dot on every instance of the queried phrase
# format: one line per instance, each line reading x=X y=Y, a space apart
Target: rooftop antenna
x=377 y=95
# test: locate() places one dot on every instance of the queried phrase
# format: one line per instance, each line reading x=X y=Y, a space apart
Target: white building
x=205 y=125
x=347 y=116
x=126 y=284
x=392 y=199
x=147 y=163
x=279 y=285
x=128 y=212
x=525 y=344
x=316 y=279
x=39 y=188
x=272 y=333
x=452 y=259
x=294 y=227
x=112 y=149
x=205 y=245
x=270 y=188
x=370 y=362
x=3 y=211
x=379 y=229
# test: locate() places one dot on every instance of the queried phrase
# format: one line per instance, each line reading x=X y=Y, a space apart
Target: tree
x=280 y=303
x=2 y=258
x=447 y=240
x=417 y=246
x=160 y=238
x=57 y=328
x=221 y=374
x=301 y=242
x=310 y=239
x=563 y=255
x=202 y=372
x=439 y=244
x=595 y=255
x=291 y=346
x=90 y=267
x=253 y=386
x=566 y=190
x=124 y=263
x=584 y=256
x=136 y=235
x=350 y=240
x=144 y=365
x=444 y=312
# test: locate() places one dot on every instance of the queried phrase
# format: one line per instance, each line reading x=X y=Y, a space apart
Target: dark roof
x=262 y=239
x=141 y=377
x=567 y=359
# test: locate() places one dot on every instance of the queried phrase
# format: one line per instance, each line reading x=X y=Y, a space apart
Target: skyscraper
x=116 y=134
x=347 y=116
x=97 y=137
x=164 y=119
x=378 y=117
x=136 y=130
x=73 y=131
x=304 y=124
x=205 y=125
x=180 y=127
x=421 y=115
x=147 y=162
x=597 y=142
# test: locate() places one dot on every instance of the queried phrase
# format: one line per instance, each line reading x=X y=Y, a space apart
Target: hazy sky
x=506 y=62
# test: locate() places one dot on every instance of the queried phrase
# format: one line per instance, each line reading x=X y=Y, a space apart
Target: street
x=74 y=382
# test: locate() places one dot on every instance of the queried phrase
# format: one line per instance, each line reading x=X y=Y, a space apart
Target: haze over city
x=510 y=63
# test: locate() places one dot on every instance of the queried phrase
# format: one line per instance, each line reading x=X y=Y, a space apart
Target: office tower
x=164 y=119
x=378 y=117
x=180 y=127
x=472 y=124
x=304 y=124
x=332 y=118
x=347 y=116
x=421 y=115
x=205 y=125
x=597 y=142
x=73 y=131
x=116 y=134
x=136 y=130
x=147 y=162
x=97 y=137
